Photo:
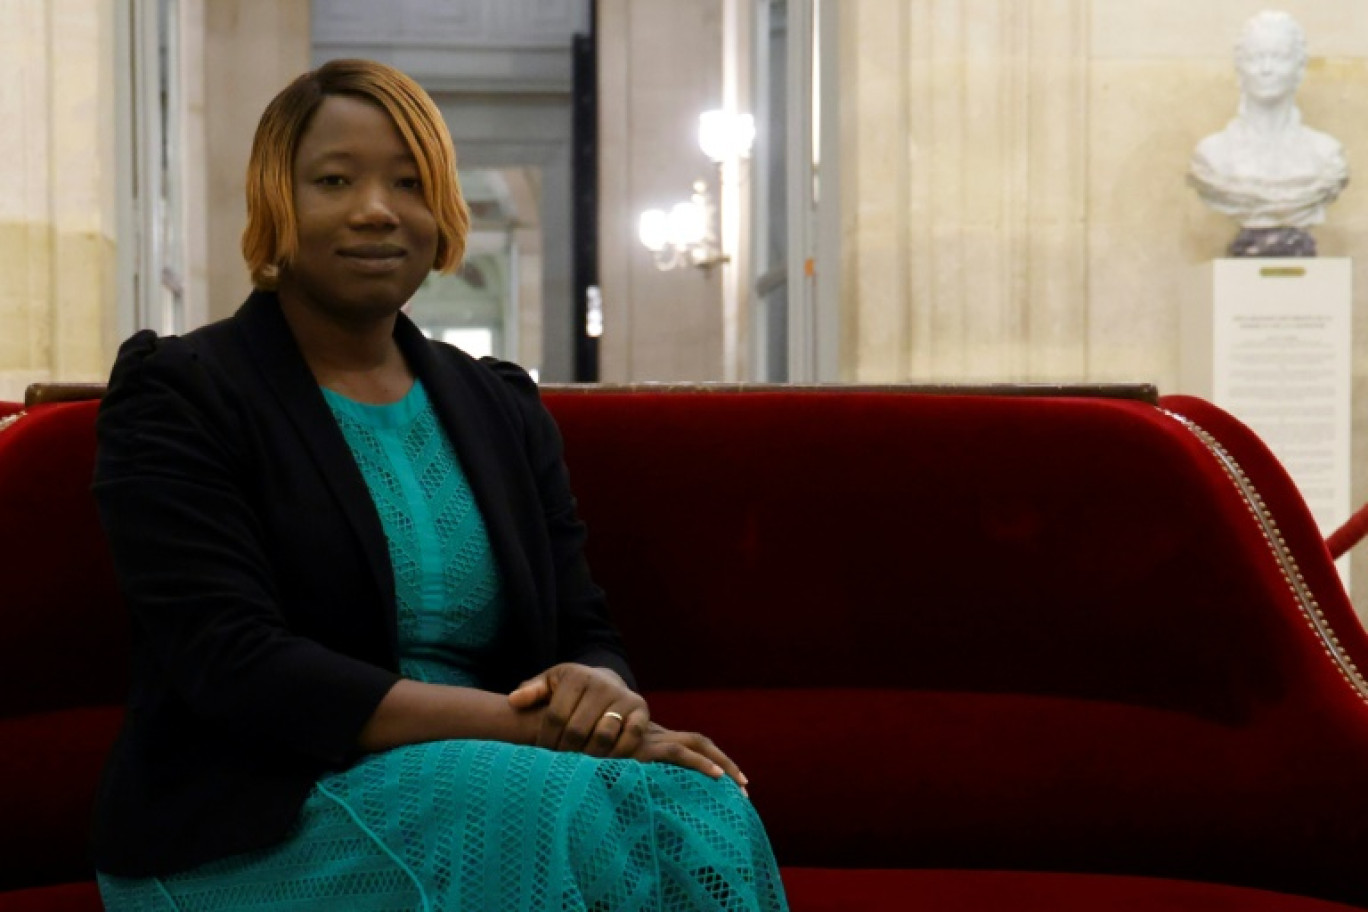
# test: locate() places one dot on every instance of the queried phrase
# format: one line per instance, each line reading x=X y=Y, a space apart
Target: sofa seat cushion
x=82 y=896
x=852 y=890
x=1031 y=782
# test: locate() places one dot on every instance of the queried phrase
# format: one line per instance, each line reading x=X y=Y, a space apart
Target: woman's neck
x=358 y=359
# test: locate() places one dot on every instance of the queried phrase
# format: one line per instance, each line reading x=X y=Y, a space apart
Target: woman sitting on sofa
x=371 y=669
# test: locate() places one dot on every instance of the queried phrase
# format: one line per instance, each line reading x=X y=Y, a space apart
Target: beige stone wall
x=1014 y=203
x=58 y=300
x=56 y=191
x=1153 y=96
x=965 y=176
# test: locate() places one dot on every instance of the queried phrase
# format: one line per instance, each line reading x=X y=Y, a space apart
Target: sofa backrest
x=1031 y=633
x=63 y=645
x=953 y=631
x=65 y=631
x=1084 y=548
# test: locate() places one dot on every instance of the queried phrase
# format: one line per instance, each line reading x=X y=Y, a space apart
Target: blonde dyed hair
x=271 y=237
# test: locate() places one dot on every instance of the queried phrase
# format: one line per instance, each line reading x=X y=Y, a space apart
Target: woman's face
x=1269 y=66
x=366 y=236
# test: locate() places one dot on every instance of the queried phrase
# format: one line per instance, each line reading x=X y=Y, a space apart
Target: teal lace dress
x=475 y=825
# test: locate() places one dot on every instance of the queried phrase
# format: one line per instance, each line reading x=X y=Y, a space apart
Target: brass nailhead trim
x=1287 y=564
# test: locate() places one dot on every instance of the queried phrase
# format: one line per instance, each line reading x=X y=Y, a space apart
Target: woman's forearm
x=414 y=712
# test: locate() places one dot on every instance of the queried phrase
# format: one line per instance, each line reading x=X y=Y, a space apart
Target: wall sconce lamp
x=687 y=235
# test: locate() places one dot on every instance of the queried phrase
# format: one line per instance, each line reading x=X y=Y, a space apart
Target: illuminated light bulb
x=653 y=229
x=723 y=135
x=688 y=224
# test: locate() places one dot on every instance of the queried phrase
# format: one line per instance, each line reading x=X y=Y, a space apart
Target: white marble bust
x=1266 y=169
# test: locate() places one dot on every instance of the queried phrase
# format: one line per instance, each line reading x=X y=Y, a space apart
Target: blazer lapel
x=272 y=346
x=482 y=445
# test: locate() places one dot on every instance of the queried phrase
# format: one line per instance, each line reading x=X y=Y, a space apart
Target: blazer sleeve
x=172 y=484
x=584 y=632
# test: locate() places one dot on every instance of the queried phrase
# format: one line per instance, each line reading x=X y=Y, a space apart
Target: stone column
x=967 y=248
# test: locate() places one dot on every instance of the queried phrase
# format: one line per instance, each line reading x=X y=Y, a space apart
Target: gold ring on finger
x=613 y=715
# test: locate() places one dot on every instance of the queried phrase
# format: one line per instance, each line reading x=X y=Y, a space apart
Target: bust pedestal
x=1273 y=349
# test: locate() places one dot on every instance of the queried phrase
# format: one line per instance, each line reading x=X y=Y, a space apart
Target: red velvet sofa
x=975 y=651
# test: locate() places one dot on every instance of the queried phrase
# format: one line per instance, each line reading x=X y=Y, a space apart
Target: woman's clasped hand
x=592 y=711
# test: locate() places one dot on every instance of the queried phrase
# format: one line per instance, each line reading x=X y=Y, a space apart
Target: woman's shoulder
x=502 y=378
x=146 y=349
x=511 y=376
x=514 y=387
x=506 y=388
x=189 y=376
x=146 y=361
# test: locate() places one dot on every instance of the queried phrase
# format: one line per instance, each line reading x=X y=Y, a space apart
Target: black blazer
x=259 y=582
